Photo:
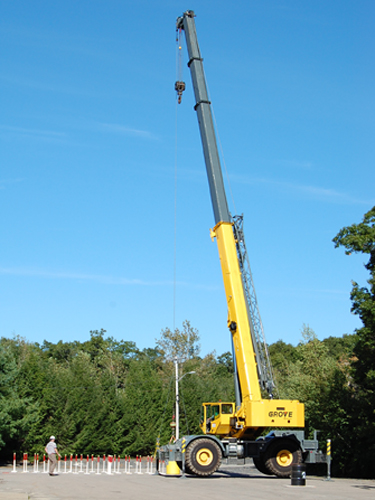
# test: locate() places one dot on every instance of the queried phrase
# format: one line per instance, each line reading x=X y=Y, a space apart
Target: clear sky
x=88 y=132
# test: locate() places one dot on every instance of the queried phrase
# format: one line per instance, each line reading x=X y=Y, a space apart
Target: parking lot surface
x=231 y=481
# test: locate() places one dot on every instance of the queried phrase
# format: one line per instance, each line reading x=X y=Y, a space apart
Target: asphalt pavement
x=230 y=482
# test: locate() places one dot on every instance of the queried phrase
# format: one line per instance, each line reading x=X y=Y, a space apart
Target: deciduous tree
x=360 y=238
x=179 y=343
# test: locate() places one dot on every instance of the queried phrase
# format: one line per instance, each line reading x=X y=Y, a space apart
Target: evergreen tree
x=143 y=402
x=17 y=411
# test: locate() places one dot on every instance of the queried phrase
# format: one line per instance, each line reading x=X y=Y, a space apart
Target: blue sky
x=88 y=156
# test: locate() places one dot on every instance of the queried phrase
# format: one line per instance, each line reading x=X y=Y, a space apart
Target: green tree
x=340 y=347
x=104 y=395
x=225 y=363
x=283 y=356
x=360 y=238
x=18 y=412
x=306 y=377
x=142 y=404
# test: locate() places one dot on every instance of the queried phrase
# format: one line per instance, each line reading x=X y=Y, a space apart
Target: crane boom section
x=237 y=313
x=254 y=413
x=206 y=126
x=244 y=350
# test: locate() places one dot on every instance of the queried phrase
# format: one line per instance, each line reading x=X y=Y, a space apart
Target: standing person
x=51 y=449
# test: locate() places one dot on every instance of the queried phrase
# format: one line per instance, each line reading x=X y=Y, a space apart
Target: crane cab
x=216 y=418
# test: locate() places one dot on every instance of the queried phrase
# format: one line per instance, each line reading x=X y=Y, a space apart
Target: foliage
x=339 y=347
x=360 y=238
x=17 y=411
x=306 y=377
x=102 y=395
x=107 y=396
x=181 y=344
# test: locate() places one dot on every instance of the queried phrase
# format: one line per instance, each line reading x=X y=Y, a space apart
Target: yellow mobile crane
x=236 y=429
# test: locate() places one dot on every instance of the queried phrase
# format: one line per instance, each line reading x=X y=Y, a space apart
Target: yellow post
x=328 y=459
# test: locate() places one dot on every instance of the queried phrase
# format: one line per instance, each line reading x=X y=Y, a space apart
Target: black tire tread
x=191 y=451
x=274 y=448
x=260 y=464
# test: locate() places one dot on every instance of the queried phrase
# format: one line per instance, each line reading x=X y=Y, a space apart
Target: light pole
x=178 y=398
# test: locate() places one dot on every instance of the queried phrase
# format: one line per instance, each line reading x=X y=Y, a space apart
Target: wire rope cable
x=178 y=77
x=175 y=227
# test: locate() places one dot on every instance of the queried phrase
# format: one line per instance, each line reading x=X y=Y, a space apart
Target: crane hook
x=179 y=88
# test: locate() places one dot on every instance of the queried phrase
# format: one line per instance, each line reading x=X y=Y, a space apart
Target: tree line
x=107 y=396
x=103 y=395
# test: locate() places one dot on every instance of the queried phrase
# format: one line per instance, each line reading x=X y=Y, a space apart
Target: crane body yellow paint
x=237 y=312
x=255 y=414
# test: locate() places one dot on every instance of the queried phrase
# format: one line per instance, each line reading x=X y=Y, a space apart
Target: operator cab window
x=215 y=411
x=226 y=409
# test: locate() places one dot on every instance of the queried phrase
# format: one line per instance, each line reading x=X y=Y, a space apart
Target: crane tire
x=260 y=464
x=187 y=470
x=203 y=457
x=281 y=455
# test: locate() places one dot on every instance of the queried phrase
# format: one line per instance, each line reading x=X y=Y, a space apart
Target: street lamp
x=178 y=399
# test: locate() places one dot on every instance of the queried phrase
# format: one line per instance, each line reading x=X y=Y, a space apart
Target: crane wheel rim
x=284 y=458
x=204 y=457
